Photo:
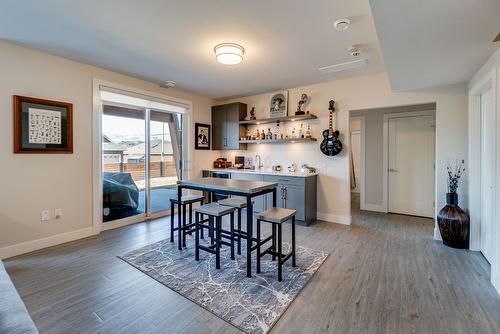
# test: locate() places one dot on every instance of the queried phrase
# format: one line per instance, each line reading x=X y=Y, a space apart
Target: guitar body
x=331 y=144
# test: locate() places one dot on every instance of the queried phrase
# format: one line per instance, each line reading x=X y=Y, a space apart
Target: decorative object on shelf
x=307 y=169
x=453 y=222
x=42 y=126
x=202 y=136
x=278 y=104
x=303 y=102
x=251 y=115
x=222 y=163
x=292 y=168
x=276 y=168
x=331 y=144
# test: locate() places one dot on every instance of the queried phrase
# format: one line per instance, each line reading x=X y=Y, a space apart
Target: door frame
x=362 y=136
x=97 y=183
x=385 y=154
x=488 y=81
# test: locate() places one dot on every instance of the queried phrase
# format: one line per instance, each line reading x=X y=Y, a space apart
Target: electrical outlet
x=58 y=213
x=45 y=215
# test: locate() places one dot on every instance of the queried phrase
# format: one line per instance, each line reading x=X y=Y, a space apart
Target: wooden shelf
x=281 y=119
x=278 y=141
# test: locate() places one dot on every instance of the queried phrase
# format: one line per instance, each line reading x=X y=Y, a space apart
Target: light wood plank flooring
x=385 y=274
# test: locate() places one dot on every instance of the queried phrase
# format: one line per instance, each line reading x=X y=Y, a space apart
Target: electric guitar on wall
x=331 y=144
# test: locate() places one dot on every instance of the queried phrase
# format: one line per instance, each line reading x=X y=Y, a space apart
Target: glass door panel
x=123 y=162
x=165 y=147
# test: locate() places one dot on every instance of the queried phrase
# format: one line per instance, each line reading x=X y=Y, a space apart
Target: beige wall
x=30 y=182
x=374 y=142
x=363 y=92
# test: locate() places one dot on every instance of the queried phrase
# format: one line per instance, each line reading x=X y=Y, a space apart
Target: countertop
x=261 y=172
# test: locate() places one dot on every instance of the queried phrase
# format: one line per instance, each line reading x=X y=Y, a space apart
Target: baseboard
x=372 y=207
x=30 y=246
x=328 y=217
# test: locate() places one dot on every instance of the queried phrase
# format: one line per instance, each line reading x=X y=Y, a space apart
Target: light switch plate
x=45 y=215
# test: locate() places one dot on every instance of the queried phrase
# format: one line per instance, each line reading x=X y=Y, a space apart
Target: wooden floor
x=385 y=274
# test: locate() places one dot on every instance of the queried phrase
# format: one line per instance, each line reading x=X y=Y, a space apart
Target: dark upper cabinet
x=226 y=129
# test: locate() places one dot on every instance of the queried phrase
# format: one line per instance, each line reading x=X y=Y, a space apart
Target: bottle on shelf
x=294 y=133
x=262 y=135
x=308 y=131
x=269 y=134
x=301 y=130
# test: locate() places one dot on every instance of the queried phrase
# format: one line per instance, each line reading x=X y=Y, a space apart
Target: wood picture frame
x=42 y=126
x=202 y=138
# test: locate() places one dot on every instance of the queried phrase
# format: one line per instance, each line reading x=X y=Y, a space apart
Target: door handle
x=392 y=170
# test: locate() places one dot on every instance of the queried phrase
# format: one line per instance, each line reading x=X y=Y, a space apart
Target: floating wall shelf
x=278 y=141
x=281 y=119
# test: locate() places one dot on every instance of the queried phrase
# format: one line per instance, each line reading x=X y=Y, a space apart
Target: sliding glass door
x=141 y=159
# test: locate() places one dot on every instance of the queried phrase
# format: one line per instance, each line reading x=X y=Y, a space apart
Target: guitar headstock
x=331 y=105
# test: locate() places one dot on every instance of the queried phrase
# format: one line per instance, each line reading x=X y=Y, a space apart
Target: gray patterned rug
x=253 y=305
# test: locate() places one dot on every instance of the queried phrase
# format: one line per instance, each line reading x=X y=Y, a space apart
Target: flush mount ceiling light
x=342 y=24
x=229 y=53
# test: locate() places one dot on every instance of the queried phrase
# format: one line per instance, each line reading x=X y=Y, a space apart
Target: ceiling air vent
x=343 y=66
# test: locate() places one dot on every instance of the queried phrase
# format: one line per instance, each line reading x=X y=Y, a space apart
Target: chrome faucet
x=259 y=164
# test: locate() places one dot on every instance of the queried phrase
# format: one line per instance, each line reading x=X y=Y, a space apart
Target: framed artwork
x=278 y=104
x=42 y=126
x=202 y=136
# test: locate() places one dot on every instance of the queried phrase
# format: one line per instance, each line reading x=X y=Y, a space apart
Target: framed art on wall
x=278 y=104
x=202 y=136
x=42 y=126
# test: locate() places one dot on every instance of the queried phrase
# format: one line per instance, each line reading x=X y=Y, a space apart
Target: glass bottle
x=263 y=135
x=308 y=131
x=293 y=133
x=301 y=130
x=269 y=134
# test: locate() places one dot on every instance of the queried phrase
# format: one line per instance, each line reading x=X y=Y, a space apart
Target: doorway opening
x=392 y=160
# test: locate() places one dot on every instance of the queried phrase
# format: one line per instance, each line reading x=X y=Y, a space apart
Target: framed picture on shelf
x=42 y=126
x=202 y=136
x=278 y=104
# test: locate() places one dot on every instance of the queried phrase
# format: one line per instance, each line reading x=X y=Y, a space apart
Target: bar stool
x=276 y=216
x=215 y=212
x=183 y=227
x=240 y=204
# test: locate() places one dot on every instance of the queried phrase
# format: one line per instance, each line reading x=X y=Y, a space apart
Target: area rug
x=253 y=305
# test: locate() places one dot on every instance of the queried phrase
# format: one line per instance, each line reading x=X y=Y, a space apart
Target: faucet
x=259 y=165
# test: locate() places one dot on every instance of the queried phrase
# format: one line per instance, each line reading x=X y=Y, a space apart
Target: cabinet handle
x=284 y=180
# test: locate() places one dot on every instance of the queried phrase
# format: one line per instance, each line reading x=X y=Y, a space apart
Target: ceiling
x=286 y=41
x=428 y=43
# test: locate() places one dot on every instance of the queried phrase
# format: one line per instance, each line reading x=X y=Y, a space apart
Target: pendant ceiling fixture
x=229 y=53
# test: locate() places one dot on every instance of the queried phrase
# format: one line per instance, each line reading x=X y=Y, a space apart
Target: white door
x=487 y=173
x=411 y=165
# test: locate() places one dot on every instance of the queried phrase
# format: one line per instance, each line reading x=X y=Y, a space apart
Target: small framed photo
x=42 y=126
x=202 y=136
x=278 y=104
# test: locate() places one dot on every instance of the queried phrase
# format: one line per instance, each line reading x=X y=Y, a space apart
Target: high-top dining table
x=243 y=188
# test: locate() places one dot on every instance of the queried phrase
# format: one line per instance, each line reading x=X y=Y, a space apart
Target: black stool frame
x=182 y=226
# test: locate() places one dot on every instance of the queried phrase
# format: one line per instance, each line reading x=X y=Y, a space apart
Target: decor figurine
x=252 y=114
x=453 y=222
x=304 y=99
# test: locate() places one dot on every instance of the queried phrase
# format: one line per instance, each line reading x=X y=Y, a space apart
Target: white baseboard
x=372 y=207
x=30 y=246
x=328 y=217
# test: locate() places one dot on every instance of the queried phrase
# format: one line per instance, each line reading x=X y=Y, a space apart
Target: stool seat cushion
x=233 y=202
x=276 y=215
x=214 y=209
x=186 y=199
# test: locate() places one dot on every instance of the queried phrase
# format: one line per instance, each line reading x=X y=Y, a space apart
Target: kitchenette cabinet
x=293 y=192
x=226 y=127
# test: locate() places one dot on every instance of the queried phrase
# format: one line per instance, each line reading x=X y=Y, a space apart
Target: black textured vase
x=453 y=223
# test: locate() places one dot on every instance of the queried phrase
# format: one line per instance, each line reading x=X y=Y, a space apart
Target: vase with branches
x=454 y=175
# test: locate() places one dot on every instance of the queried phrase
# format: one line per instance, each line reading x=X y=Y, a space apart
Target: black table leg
x=249 y=235
x=179 y=218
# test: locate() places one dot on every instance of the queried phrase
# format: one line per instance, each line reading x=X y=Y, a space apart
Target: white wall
x=34 y=182
x=492 y=66
x=363 y=92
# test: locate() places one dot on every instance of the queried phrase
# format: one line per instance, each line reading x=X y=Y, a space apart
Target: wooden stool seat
x=276 y=215
x=188 y=199
x=233 y=202
x=214 y=209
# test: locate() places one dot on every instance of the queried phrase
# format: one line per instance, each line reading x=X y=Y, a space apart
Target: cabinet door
x=232 y=131
x=294 y=198
x=280 y=202
x=218 y=127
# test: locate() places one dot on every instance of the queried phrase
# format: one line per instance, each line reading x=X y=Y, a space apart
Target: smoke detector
x=354 y=50
x=342 y=24
x=168 y=84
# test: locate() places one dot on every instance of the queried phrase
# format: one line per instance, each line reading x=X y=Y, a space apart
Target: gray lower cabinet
x=297 y=193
